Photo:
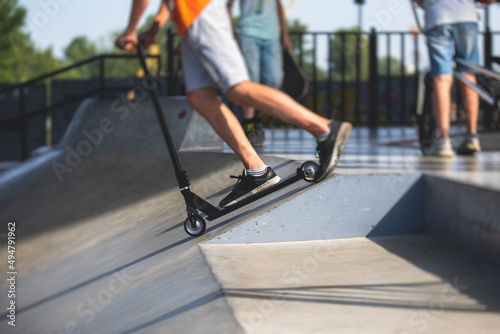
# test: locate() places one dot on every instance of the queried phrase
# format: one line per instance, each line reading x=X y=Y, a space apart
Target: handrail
x=23 y=117
x=68 y=68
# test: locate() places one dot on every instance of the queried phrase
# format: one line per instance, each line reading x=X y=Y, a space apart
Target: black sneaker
x=329 y=150
x=249 y=185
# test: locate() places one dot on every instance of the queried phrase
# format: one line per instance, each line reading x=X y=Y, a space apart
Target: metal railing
x=373 y=98
x=350 y=86
x=23 y=117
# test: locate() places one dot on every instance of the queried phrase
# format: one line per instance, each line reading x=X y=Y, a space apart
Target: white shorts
x=210 y=54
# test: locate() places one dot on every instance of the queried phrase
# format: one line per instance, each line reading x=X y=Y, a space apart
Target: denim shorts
x=449 y=40
x=264 y=59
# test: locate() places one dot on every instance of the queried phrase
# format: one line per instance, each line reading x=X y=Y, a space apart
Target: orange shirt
x=185 y=12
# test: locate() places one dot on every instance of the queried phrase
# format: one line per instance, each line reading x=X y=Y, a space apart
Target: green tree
x=345 y=47
x=296 y=31
x=35 y=63
x=394 y=66
x=12 y=40
x=79 y=49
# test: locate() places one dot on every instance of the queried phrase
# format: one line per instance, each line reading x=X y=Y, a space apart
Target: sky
x=54 y=23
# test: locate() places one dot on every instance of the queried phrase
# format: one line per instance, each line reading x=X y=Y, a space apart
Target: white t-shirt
x=440 y=12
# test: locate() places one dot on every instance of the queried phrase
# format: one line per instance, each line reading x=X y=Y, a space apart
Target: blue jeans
x=264 y=59
x=459 y=39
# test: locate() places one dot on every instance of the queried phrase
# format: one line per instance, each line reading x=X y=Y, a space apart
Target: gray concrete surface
x=344 y=206
x=117 y=215
x=395 y=284
x=104 y=251
x=112 y=124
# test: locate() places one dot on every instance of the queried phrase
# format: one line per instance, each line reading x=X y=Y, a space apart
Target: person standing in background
x=263 y=36
x=451 y=29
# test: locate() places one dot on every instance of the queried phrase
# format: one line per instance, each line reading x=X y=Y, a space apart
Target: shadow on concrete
x=465 y=272
x=105 y=181
x=180 y=310
x=98 y=277
x=455 y=258
x=392 y=295
x=406 y=216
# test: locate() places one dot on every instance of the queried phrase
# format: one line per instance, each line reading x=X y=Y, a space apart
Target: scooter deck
x=282 y=184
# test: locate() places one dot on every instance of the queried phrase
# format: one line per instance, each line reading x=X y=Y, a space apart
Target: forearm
x=138 y=8
x=163 y=14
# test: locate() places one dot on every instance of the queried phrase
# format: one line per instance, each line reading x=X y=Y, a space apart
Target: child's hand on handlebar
x=127 y=41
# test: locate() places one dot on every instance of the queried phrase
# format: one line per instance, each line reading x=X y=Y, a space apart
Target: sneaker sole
x=443 y=154
x=469 y=150
x=264 y=186
x=340 y=142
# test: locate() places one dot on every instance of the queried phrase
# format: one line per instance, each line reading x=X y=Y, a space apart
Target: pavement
x=392 y=242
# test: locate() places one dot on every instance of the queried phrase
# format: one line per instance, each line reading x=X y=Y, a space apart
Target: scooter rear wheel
x=310 y=169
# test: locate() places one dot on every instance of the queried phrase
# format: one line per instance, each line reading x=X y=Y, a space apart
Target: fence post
x=373 y=81
x=487 y=39
x=329 y=77
x=403 y=79
x=314 y=75
x=23 y=125
x=488 y=49
x=358 y=77
x=101 y=76
x=343 y=64
x=170 y=62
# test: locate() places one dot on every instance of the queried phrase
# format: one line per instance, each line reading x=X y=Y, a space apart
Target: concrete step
x=393 y=284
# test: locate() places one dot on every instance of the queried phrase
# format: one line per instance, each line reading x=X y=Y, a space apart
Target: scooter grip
x=122 y=44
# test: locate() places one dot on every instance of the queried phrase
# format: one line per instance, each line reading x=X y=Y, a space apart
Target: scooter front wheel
x=195 y=226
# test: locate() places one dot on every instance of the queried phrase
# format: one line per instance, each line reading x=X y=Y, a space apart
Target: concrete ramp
x=340 y=207
x=114 y=124
x=100 y=244
x=108 y=243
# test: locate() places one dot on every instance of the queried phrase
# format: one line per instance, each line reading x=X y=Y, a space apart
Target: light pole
x=360 y=3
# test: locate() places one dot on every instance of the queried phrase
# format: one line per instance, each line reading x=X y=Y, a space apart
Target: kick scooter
x=195 y=225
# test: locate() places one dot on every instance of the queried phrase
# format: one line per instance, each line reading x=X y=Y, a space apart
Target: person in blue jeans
x=262 y=35
x=451 y=29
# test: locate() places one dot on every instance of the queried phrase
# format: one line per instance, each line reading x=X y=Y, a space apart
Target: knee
x=239 y=94
x=198 y=99
x=443 y=79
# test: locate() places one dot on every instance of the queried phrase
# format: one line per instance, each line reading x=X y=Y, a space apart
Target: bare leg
x=279 y=105
x=471 y=103
x=442 y=88
x=223 y=121
x=248 y=113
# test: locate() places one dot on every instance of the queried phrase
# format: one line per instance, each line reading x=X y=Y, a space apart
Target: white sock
x=257 y=172
x=324 y=136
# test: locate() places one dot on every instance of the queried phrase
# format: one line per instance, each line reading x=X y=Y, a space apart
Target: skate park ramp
x=389 y=243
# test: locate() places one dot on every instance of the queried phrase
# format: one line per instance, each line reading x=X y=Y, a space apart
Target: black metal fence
x=368 y=78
